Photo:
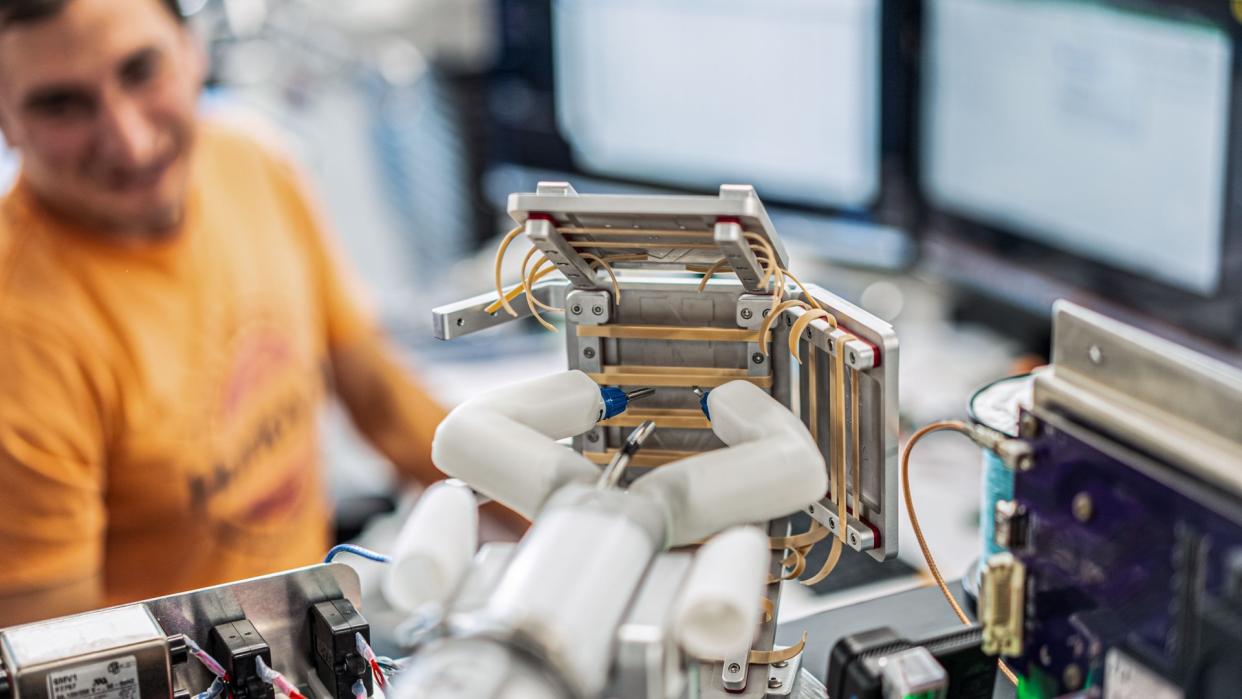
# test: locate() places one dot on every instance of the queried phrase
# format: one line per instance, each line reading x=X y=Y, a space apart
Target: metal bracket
x=734 y=671
x=858 y=536
x=588 y=307
x=858 y=355
x=782 y=676
x=757 y=363
x=462 y=318
x=752 y=309
x=731 y=239
x=542 y=234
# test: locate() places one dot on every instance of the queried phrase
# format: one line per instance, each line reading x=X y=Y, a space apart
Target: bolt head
x=1072 y=677
x=757 y=358
x=780 y=663
x=734 y=667
x=774 y=683
x=1082 y=507
x=589 y=352
x=747 y=314
x=575 y=309
x=1026 y=462
x=597 y=310
x=592 y=437
x=1029 y=426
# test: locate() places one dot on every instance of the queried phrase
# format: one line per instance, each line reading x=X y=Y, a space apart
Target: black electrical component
x=854 y=669
x=333 y=626
x=236 y=644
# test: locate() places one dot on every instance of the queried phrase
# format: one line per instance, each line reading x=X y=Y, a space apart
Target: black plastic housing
x=333 y=625
x=236 y=644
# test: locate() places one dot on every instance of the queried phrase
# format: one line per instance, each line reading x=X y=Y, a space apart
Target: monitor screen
x=1096 y=130
x=782 y=94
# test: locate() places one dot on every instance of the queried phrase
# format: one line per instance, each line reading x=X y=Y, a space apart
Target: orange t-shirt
x=159 y=404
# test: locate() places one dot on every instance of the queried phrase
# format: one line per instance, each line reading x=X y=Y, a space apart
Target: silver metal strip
x=1169 y=401
x=732 y=242
x=542 y=234
x=461 y=318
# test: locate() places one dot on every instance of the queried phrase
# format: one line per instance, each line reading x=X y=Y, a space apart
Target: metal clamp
x=731 y=240
x=588 y=307
x=858 y=536
x=734 y=671
x=542 y=234
x=859 y=355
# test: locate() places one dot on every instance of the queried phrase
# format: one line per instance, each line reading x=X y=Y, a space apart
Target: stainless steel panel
x=1168 y=400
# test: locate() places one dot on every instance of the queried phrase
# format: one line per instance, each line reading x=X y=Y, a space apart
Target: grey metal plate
x=878 y=419
x=277 y=605
x=664 y=212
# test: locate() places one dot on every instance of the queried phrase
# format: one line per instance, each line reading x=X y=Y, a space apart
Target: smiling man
x=170 y=321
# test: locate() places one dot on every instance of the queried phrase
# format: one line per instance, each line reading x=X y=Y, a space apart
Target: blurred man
x=170 y=316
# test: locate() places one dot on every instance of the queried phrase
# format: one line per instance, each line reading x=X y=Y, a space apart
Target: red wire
x=379 y=674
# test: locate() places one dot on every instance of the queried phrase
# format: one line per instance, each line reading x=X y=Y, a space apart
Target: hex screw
x=1072 y=677
x=1029 y=426
x=747 y=314
x=589 y=352
x=780 y=663
x=576 y=309
x=757 y=358
x=597 y=310
x=734 y=667
x=592 y=437
x=1082 y=507
x=774 y=683
x=1025 y=462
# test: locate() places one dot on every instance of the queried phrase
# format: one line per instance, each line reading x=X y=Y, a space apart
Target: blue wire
x=357 y=551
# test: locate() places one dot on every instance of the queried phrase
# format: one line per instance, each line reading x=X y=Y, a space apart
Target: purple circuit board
x=1122 y=552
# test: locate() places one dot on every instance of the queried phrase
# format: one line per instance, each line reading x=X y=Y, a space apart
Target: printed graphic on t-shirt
x=262 y=435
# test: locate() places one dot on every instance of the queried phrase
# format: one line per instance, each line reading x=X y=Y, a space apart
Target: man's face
x=100 y=100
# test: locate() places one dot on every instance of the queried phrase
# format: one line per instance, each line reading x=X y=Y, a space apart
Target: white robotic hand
x=504 y=445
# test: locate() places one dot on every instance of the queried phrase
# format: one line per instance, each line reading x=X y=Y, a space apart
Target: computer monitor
x=809 y=101
x=781 y=93
x=1093 y=141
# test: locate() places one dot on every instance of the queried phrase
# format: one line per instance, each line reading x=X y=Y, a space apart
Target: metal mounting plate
x=878 y=424
x=694 y=215
x=1171 y=401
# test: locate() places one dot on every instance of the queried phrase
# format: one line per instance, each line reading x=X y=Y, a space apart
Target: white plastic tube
x=503 y=443
x=718 y=612
x=434 y=549
x=770 y=469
